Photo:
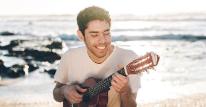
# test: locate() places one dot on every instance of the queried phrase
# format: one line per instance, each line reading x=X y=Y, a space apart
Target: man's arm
x=121 y=85
x=58 y=92
x=128 y=99
x=69 y=92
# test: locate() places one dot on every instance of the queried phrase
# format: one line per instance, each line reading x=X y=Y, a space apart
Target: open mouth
x=101 y=47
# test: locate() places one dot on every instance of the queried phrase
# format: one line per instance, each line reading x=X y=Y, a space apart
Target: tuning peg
x=153 y=68
x=147 y=71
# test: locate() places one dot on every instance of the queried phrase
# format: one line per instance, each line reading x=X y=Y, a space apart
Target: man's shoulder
x=125 y=51
x=74 y=51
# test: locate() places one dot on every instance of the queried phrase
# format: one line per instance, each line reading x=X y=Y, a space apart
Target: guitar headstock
x=143 y=63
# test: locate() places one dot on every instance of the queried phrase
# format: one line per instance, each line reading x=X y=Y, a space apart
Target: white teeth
x=101 y=47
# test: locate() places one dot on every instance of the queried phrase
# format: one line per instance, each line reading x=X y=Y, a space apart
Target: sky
x=137 y=7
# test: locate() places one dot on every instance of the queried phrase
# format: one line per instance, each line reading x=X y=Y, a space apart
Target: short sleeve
x=135 y=82
x=61 y=74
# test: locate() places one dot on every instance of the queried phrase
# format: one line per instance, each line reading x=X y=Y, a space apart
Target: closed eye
x=94 y=35
x=107 y=33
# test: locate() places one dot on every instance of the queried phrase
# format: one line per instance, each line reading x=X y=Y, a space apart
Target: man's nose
x=102 y=38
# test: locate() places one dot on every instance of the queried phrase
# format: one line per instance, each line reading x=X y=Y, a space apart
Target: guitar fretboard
x=100 y=86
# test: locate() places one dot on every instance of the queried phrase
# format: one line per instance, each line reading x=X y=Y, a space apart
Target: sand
x=196 y=100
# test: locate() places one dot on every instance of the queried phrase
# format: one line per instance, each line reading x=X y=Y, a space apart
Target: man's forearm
x=128 y=99
x=58 y=92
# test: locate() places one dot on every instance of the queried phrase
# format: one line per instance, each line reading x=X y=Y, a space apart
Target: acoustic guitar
x=97 y=90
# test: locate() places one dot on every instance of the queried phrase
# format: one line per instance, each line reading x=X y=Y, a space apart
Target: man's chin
x=100 y=55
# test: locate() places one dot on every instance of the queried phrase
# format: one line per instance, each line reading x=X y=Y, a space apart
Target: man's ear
x=80 y=35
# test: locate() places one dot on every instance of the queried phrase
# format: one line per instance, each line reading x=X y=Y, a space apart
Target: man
x=98 y=59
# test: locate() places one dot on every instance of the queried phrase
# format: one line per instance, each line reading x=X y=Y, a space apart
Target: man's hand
x=120 y=83
x=72 y=93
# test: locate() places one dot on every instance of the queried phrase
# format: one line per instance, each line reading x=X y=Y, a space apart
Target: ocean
x=179 y=39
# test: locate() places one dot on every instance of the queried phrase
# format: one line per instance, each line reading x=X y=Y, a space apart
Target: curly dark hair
x=89 y=14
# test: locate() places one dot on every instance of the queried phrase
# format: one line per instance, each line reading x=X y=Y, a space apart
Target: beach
x=178 y=80
x=37 y=104
x=196 y=100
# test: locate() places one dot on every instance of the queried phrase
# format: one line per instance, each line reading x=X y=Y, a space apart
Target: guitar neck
x=101 y=86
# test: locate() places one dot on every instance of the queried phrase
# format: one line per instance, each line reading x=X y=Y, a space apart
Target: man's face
x=98 y=39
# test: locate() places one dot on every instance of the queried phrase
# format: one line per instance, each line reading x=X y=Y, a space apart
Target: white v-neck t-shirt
x=76 y=66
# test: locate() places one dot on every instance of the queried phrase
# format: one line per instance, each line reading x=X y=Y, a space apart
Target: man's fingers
x=115 y=86
x=73 y=100
x=79 y=89
x=120 y=78
x=75 y=97
x=119 y=82
x=72 y=95
x=76 y=93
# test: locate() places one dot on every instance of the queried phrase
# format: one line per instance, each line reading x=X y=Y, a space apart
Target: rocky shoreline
x=32 y=51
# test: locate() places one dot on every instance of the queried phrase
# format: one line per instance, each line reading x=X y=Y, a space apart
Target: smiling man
x=97 y=59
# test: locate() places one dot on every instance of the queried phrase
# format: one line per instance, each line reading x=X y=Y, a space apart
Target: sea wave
x=38 y=18
x=147 y=29
x=199 y=16
x=186 y=37
x=73 y=37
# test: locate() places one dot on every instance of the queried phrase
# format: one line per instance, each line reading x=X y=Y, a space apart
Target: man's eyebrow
x=107 y=30
x=93 y=32
x=98 y=31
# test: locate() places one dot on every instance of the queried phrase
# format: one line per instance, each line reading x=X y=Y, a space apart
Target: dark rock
x=3 y=69
x=55 y=45
x=36 y=55
x=32 y=67
x=13 y=71
x=15 y=53
x=1 y=62
x=12 y=44
x=42 y=55
x=7 y=33
x=16 y=70
x=51 y=72
x=28 y=59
